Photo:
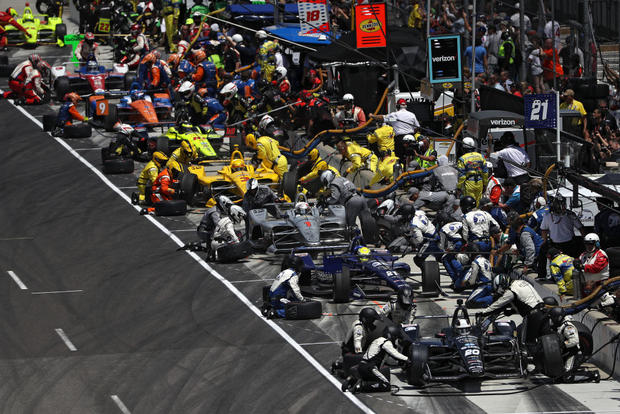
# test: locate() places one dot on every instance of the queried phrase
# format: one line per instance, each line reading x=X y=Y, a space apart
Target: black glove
x=577 y=264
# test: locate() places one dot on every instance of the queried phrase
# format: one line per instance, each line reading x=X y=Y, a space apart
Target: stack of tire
x=114 y=163
x=5 y=68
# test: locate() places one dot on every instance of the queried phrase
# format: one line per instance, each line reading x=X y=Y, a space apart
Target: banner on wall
x=370 y=29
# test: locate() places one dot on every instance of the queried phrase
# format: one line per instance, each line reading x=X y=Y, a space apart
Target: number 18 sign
x=540 y=110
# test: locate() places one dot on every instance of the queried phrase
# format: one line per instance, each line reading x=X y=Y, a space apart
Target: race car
x=465 y=351
x=137 y=108
x=231 y=179
x=284 y=227
x=346 y=276
x=91 y=78
x=42 y=29
x=201 y=137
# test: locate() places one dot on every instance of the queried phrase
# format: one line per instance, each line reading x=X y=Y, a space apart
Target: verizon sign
x=444 y=58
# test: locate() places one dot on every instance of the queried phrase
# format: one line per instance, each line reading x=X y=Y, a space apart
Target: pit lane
x=155 y=329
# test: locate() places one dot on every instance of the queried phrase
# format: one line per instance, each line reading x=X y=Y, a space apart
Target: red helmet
x=34 y=59
x=72 y=96
x=199 y=56
x=11 y=11
x=135 y=29
x=174 y=59
x=401 y=103
x=203 y=92
x=89 y=36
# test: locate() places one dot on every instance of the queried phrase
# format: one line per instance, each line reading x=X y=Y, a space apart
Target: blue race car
x=359 y=273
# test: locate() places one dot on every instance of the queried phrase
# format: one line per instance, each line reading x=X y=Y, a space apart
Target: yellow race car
x=231 y=179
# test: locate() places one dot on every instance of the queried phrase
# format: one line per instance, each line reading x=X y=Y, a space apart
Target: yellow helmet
x=313 y=154
x=237 y=165
x=363 y=253
x=188 y=148
x=160 y=158
x=250 y=141
x=210 y=203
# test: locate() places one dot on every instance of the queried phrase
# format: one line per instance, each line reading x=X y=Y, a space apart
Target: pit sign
x=540 y=110
x=370 y=29
x=313 y=17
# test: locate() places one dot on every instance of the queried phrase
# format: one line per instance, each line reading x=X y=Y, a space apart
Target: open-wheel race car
x=42 y=29
x=206 y=141
x=463 y=351
x=138 y=108
x=91 y=78
x=299 y=225
x=346 y=276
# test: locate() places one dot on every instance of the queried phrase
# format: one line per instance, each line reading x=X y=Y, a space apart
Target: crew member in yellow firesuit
x=384 y=137
x=268 y=152
x=318 y=166
x=358 y=155
x=150 y=173
x=473 y=172
x=182 y=157
x=385 y=169
x=171 y=11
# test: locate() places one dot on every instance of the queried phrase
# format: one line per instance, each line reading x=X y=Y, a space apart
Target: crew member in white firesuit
x=87 y=48
x=343 y=192
x=403 y=121
x=349 y=115
x=594 y=264
x=569 y=336
x=285 y=288
x=140 y=48
x=400 y=309
x=370 y=376
x=478 y=225
x=480 y=276
x=224 y=233
x=424 y=238
x=217 y=208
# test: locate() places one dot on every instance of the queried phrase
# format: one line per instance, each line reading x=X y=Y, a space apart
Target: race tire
x=553 y=365
x=78 y=131
x=586 y=343
x=60 y=31
x=303 y=310
x=118 y=166
x=128 y=79
x=105 y=154
x=418 y=358
x=163 y=145
x=369 y=227
x=4 y=60
x=234 y=252
x=188 y=186
x=49 y=122
x=6 y=70
x=350 y=360
x=342 y=286
x=171 y=208
x=289 y=184
x=430 y=276
x=111 y=118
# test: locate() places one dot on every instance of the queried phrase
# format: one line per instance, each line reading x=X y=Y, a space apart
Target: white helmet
x=264 y=122
x=462 y=258
x=224 y=203
x=463 y=326
x=302 y=208
x=592 y=238
x=500 y=283
x=186 y=88
x=261 y=34
x=124 y=128
x=387 y=206
x=237 y=214
x=251 y=185
x=327 y=177
x=229 y=90
x=237 y=38
x=215 y=27
x=348 y=97
x=469 y=143
x=541 y=201
x=281 y=72
x=409 y=138
x=489 y=165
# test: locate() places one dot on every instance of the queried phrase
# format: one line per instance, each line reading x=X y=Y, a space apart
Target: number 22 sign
x=540 y=110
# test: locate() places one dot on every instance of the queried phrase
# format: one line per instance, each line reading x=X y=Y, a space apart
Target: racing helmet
x=251 y=186
x=149 y=59
x=215 y=27
x=89 y=37
x=237 y=165
x=368 y=316
x=327 y=177
x=261 y=34
x=386 y=207
x=392 y=333
x=591 y=241
x=223 y=203
x=157 y=54
x=541 y=202
x=229 y=90
x=363 y=253
x=500 y=283
x=183 y=44
x=159 y=158
x=264 y=122
x=469 y=143
x=34 y=59
x=199 y=55
x=250 y=141
x=136 y=95
x=173 y=59
x=407 y=210
x=186 y=89
x=188 y=149
x=12 y=12
x=405 y=296
x=297 y=264
x=462 y=258
x=556 y=315
x=184 y=68
x=202 y=92
x=463 y=327
x=348 y=97
x=124 y=129
x=237 y=38
x=550 y=301
x=553 y=252
x=401 y=103
x=92 y=66
x=302 y=208
x=313 y=155
x=468 y=203
x=281 y=72
x=135 y=29
x=73 y=97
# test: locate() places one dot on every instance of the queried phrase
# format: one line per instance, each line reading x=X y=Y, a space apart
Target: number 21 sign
x=540 y=110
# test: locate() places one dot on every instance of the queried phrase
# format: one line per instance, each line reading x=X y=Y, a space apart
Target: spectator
x=572 y=104
x=559 y=228
x=552 y=30
x=481 y=63
x=572 y=58
x=461 y=24
x=516 y=21
x=505 y=80
x=494 y=83
x=492 y=43
x=548 y=52
x=507 y=53
x=417 y=15
x=535 y=66
x=608 y=118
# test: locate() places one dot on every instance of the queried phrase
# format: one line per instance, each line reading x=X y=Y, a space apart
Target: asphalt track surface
x=101 y=314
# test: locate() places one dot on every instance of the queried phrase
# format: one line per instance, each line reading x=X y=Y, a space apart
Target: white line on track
x=58 y=291
x=251 y=280
x=320 y=343
x=16 y=238
x=131 y=187
x=182 y=230
x=121 y=406
x=87 y=149
x=17 y=280
x=66 y=339
x=321 y=369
